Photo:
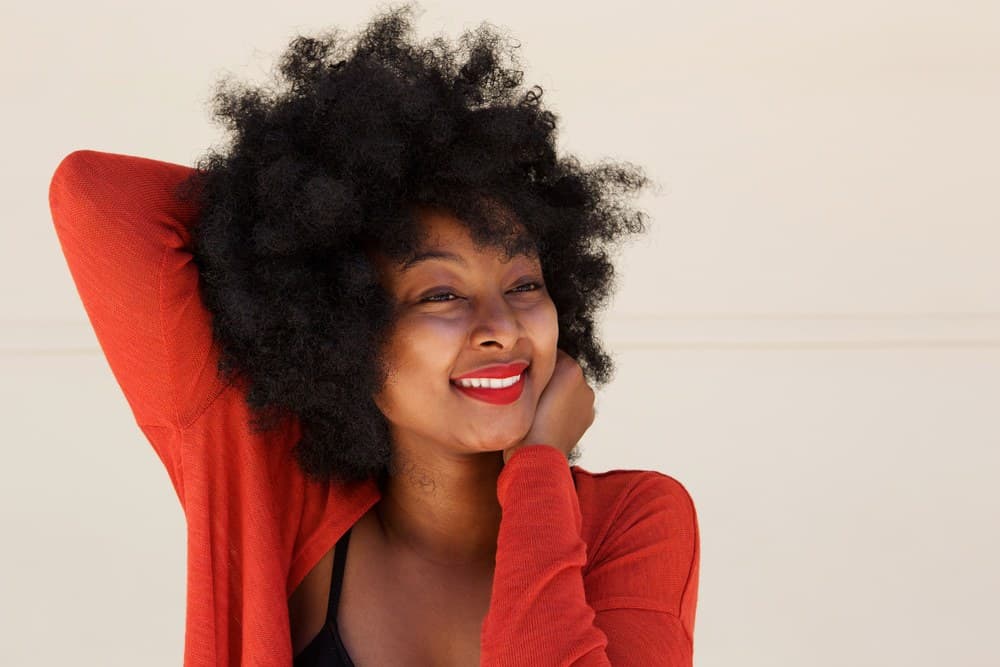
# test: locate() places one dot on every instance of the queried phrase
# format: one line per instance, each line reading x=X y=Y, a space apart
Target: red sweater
x=591 y=568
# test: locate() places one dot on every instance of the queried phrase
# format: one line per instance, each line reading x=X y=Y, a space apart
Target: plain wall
x=808 y=338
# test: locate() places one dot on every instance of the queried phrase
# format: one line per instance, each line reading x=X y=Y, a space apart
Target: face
x=456 y=316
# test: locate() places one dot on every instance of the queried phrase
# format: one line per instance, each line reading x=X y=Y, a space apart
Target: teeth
x=488 y=383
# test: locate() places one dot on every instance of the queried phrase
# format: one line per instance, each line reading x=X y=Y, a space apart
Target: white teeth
x=488 y=383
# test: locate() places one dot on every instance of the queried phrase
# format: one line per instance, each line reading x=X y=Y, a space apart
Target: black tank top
x=326 y=649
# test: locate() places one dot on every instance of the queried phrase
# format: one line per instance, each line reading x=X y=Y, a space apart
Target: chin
x=494 y=445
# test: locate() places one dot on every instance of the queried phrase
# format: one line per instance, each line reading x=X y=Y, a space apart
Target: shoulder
x=612 y=492
x=626 y=506
x=643 y=547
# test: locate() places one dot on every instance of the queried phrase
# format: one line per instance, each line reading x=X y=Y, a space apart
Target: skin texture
x=565 y=410
x=442 y=502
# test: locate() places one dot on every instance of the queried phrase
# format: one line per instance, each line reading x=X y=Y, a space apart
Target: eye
x=533 y=287
x=442 y=297
x=433 y=298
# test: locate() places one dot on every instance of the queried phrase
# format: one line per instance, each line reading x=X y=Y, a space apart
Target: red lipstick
x=500 y=396
x=496 y=371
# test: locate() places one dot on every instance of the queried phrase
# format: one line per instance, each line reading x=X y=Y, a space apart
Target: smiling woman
x=362 y=342
x=488 y=321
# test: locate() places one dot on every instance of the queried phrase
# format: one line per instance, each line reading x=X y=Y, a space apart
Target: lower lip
x=496 y=396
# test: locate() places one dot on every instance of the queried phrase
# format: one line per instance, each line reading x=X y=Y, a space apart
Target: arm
x=643 y=579
x=124 y=236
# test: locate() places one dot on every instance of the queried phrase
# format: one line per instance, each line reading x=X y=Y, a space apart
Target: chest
x=389 y=617
x=393 y=613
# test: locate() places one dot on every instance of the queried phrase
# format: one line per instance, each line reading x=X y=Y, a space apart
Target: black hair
x=331 y=161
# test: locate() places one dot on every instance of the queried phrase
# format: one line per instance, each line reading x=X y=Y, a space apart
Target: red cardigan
x=591 y=568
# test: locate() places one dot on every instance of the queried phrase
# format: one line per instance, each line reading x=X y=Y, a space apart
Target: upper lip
x=496 y=371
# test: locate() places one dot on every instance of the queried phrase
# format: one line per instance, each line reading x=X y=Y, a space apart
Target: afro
x=332 y=160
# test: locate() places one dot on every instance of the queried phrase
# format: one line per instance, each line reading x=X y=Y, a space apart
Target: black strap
x=340 y=559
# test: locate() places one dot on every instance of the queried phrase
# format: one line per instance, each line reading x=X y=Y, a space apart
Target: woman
x=299 y=325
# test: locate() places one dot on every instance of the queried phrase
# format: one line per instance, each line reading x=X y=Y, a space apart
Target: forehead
x=440 y=230
x=440 y=234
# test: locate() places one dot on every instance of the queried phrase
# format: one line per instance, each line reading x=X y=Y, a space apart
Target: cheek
x=419 y=354
x=419 y=357
x=545 y=326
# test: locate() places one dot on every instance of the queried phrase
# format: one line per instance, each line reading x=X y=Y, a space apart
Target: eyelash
x=431 y=298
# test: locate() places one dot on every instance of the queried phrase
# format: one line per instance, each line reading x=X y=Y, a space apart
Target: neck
x=442 y=508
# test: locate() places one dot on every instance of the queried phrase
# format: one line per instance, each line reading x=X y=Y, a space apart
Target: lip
x=496 y=371
x=502 y=396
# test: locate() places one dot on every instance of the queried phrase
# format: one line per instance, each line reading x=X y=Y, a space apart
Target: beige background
x=809 y=338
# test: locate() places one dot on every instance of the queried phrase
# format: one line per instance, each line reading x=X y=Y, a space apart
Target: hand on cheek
x=565 y=409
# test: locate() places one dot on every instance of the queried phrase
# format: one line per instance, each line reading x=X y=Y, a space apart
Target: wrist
x=509 y=453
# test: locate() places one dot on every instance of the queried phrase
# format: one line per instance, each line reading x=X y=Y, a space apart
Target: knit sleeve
x=125 y=238
x=633 y=605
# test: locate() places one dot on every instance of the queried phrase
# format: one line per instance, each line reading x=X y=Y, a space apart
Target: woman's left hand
x=565 y=409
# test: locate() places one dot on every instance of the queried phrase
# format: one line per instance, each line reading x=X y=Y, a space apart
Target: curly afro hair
x=332 y=160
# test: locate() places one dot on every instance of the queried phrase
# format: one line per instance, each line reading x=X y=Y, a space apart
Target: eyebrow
x=433 y=254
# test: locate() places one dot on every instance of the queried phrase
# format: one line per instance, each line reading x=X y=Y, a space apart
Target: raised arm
x=634 y=605
x=125 y=237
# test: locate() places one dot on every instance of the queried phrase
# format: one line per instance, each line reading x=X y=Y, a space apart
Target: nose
x=495 y=322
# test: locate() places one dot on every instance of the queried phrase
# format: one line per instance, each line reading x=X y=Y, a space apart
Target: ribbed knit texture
x=591 y=568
